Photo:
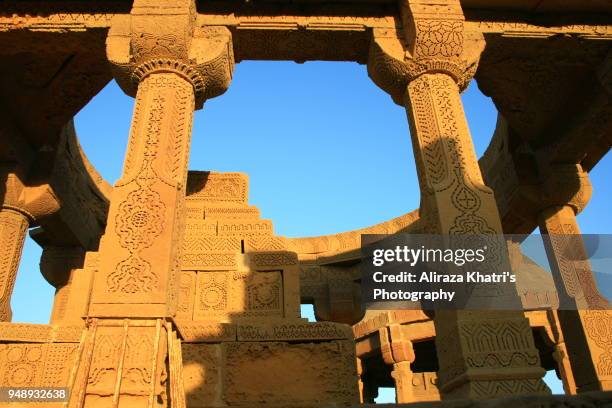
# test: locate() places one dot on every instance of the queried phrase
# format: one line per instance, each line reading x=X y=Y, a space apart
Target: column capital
x=32 y=202
x=162 y=36
x=394 y=347
x=433 y=40
x=567 y=184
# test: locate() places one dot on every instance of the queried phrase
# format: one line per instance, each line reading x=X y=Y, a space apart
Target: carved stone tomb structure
x=172 y=291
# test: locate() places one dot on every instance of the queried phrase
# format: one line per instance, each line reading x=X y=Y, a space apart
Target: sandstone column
x=560 y=354
x=138 y=250
x=20 y=208
x=585 y=316
x=63 y=267
x=171 y=67
x=398 y=352
x=13 y=227
x=482 y=354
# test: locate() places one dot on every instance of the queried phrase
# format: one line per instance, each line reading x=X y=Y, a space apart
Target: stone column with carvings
x=21 y=207
x=424 y=67
x=398 y=352
x=584 y=316
x=13 y=227
x=171 y=66
x=560 y=354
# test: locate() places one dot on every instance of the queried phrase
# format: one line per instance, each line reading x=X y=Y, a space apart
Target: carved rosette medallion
x=140 y=219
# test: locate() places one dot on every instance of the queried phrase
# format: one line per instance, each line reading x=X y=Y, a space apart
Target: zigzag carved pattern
x=492 y=389
x=211 y=244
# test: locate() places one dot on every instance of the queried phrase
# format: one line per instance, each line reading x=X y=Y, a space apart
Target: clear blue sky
x=325 y=150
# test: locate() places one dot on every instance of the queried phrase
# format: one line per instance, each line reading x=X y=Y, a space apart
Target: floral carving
x=132 y=275
x=140 y=219
x=599 y=329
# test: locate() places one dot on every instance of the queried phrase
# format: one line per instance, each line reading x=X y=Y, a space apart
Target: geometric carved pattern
x=264 y=291
x=212 y=187
x=23 y=364
x=245 y=228
x=501 y=343
x=263 y=259
x=437 y=117
x=499 y=388
x=197 y=260
x=140 y=217
x=292 y=331
x=212 y=243
x=147 y=201
x=131 y=350
x=212 y=291
x=186 y=293
x=437 y=38
x=59 y=360
x=31 y=365
x=245 y=294
x=231 y=257
x=462 y=205
x=598 y=325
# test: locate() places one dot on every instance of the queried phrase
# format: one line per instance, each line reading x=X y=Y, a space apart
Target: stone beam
x=285 y=22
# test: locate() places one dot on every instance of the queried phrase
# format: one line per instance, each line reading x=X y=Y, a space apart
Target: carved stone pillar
x=16 y=214
x=568 y=259
x=398 y=352
x=585 y=316
x=560 y=354
x=22 y=206
x=63 y=268
x=171 y=67
x=139 y=249
x=13 y=227
x=359 y=365
x=402 y=375
x=424 y=68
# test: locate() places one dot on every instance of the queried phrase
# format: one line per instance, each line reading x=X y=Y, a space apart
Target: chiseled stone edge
x=39 y=333
x=586 y=400
x=298 y=331
x=194 y=332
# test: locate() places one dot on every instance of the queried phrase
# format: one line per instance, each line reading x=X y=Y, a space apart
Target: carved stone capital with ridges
x=163 y=38
x=434 y=39
x=33 y=202
x=567 y=184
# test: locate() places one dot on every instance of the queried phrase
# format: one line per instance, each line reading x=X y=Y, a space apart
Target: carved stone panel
x=226 y=295
x=36 y=364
